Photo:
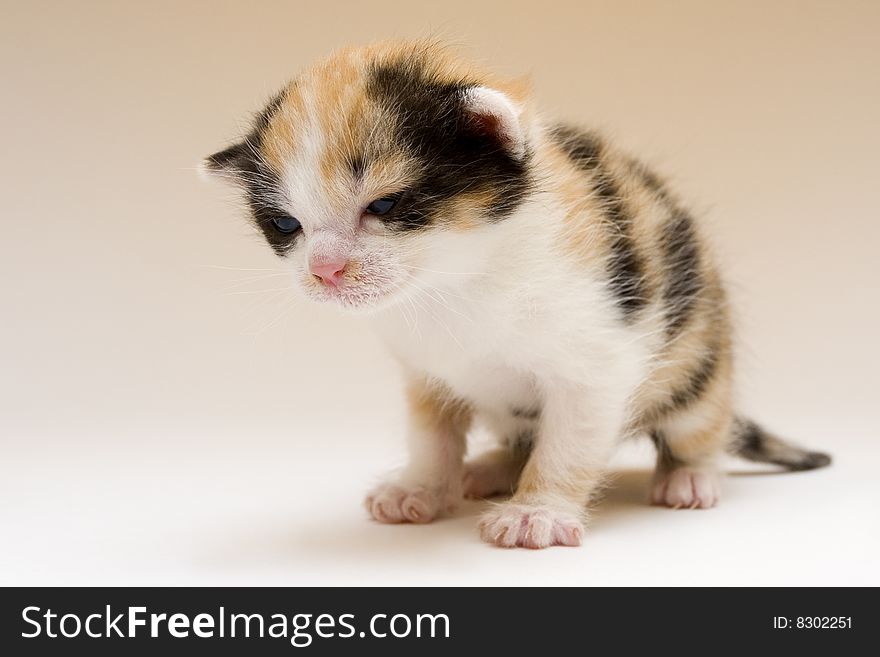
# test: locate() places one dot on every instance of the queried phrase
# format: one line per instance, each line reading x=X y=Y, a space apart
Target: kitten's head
x=366 y=173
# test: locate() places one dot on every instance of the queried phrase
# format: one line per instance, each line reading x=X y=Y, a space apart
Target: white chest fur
x=465 y=345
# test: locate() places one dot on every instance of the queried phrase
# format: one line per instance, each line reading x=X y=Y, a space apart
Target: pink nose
x=329 y=271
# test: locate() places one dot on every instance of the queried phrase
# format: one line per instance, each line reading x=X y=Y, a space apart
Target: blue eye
x=286 y=224
x=382 y=205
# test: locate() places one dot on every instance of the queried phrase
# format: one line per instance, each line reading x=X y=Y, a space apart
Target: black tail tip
x=811 y=461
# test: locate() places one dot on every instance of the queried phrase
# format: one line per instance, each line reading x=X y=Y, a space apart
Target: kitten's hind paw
x=686 y=488
x=395 y=503
x=492 y=474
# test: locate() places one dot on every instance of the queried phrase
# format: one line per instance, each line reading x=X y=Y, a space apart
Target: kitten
x=522 y=272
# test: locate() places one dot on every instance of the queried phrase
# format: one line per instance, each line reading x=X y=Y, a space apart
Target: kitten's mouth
x=354 y=296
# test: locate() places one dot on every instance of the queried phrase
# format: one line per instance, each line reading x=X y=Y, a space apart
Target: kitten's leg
x=695 y=427
x=689 y=444
x=431 y=483
x=493 y=473
x=565 y=468
x=496 y=472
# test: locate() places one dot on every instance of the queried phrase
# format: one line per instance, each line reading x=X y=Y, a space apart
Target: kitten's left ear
x=230 y=163
x=493 y=113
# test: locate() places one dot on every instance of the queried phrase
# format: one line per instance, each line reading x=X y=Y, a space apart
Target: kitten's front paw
x=686 y=488
x=395 y=503
x=523 y=525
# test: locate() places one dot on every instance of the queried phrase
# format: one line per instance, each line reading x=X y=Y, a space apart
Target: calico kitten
x=522 y=272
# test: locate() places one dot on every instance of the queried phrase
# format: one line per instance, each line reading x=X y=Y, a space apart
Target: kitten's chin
x=354 y=300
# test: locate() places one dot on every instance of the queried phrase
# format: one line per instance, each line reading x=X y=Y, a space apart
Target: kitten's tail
x=752 y=442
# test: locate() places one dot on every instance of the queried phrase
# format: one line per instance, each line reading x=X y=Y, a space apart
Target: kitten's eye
x=286 y=224
x=382 y=205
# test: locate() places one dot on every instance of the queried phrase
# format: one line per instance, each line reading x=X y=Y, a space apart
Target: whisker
x=276 y=289
x=452 y=273
x=276 y=269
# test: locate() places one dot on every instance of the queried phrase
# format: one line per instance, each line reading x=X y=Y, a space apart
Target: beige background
x=169 y=415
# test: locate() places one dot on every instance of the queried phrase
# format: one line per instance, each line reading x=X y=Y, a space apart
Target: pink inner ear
x=492 y=114
x=487 y=125
x=490 y=125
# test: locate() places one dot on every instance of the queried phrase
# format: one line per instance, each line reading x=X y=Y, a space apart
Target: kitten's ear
x=230 y=163
x=496 y=115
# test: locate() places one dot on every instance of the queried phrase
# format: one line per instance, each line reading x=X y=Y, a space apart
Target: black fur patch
x=234 y=159
x=754 y=443
x=699 y=380
x=681 y=265
x=260 y=182
x=263 y=214
x=625 y=267
x=584 y=148
x=810 y=461
x=680 y=251
x=455 y=154
x=750 y=437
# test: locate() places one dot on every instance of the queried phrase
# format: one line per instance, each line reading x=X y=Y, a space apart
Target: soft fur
x=529 y=275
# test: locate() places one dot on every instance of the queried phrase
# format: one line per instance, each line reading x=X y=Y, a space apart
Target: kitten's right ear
x=230 y=163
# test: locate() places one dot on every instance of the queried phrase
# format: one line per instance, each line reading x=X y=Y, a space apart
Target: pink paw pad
x=534 y=527
x=684 y=488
